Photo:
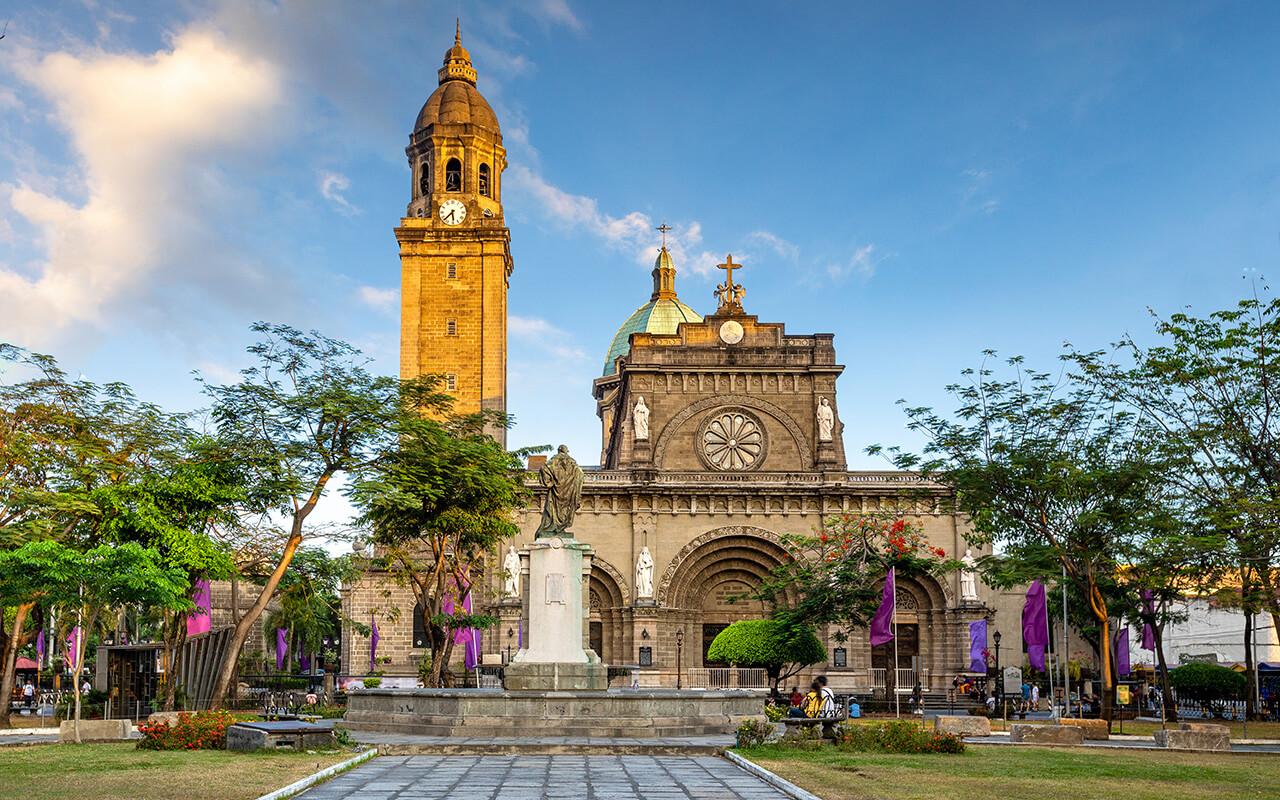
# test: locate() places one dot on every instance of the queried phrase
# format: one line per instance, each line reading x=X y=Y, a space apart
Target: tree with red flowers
x=838 y=573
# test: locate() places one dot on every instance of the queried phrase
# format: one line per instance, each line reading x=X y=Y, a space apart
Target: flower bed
x=203 y=730
x=896 y=737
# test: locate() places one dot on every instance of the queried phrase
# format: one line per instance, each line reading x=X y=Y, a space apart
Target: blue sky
x=923 y=180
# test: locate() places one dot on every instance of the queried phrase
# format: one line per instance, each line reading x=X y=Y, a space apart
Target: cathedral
x=720 y=434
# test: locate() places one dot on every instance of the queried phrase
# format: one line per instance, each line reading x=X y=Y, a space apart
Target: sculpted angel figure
x=511 y=573
x=644 y=573
x=640 y=419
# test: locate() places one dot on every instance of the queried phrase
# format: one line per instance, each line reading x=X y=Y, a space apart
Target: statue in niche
x=826 y=420
x=563 y=478
x=644 y=573
x=968 y=576
x=640 y=419
x=511 y=573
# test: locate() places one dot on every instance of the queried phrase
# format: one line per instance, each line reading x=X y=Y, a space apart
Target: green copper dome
x=662 y=314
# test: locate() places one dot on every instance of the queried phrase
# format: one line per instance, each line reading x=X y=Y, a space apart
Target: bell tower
x=455 y=249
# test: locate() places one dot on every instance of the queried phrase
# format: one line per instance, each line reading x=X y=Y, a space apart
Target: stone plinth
x=557 y=677
x=277 y=736
x=1195 y=736
x=96 y=730
x=1046 y=734
x=966 y=725
x=1094 y=729
x=486 y=712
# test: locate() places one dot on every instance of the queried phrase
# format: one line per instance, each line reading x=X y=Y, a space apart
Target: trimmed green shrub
x=372 y=683
x=763 y=643
x=1208 y=684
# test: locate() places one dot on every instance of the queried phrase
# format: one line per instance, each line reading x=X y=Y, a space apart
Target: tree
x=90 y=582
x=1208 y=395
x=1049 y=471
x=307 y=412
x=310 y=608
x=440 y=501
x=761 y=643
x=837 y=575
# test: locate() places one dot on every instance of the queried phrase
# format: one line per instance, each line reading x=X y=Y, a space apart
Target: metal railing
x=725 y=678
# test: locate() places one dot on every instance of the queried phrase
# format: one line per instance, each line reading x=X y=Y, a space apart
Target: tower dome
x=662 y=314
x=456 y=100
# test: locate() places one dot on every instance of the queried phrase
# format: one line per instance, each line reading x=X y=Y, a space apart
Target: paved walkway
x=527 y=777
x=399 y=744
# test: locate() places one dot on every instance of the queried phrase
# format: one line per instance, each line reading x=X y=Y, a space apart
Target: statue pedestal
x=556 y=572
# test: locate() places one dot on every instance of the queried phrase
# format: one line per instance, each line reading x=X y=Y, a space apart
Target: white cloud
x=386 y=300
x=781 y=246
x=977 y=195
x=861 y=264
x=635 y=233
x=150 y=132
x=332 y=185
x=545 y=336
x=559 y=11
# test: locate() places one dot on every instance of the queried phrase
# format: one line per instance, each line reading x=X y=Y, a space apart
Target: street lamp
x=511 y=632
x=679 y=649
x=999 y=674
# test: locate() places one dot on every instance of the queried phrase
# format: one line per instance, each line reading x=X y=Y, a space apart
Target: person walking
x=29 y=694
x=917 y=698
x=1035 y=698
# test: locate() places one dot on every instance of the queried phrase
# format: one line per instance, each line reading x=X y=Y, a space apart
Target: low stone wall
x=1046 y=734
x=1195 y=736
x=96 y=730
x=966 y=725
x=1094 y=729
x=487 y=712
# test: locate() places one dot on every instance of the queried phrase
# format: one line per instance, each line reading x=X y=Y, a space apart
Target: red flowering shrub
x=896 y=737
x=203 y=730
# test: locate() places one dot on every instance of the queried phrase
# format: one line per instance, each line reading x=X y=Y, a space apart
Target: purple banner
x=304 y=662
x=882 y=622
x=1035 y=624
x=1122 y=651
x=373 y=642
x=282 y=646
x=73 y=646
x=977 y=643
x=200 y=620
x=40 y=647
x=1149 y=607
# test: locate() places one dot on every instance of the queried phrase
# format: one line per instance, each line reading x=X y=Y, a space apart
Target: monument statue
x=640 y=419
x=968 y=577
x=563 y=478
x=644 y=573
x=826 y=420
x=511 y=573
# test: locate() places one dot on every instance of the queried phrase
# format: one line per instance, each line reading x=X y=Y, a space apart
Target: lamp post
x=679 y=650
x=999 y=673
x=511 y=632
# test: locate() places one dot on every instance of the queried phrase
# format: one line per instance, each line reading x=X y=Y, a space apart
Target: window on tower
x=453 y=176
x=451 y=328
x=424 y=177
x=484 y=180
x=451 y=271
x=451 y=382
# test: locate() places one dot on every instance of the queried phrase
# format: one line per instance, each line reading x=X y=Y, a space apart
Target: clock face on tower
x=452 y=212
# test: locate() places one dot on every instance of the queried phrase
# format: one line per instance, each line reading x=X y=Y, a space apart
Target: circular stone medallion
x=730 y=332
x=556 y=542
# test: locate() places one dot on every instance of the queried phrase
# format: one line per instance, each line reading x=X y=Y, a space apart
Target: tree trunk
x=1099 y=606
x=1170 y=707
x=86 y=625
x=241 y=633
x=235 y=601
x=14 y=642
x=175 y=637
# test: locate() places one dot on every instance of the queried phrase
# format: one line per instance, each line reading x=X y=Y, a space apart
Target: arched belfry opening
x=453 y=176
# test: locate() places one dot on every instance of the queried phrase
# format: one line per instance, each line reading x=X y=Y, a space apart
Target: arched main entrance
x=708 y=582
x=607 y=598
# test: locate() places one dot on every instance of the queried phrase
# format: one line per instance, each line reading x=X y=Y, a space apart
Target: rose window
x=732 y=441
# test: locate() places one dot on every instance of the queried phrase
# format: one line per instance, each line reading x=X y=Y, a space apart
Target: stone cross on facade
x=729 y=293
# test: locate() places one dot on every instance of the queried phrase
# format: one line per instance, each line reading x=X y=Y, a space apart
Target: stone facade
x=744 y=446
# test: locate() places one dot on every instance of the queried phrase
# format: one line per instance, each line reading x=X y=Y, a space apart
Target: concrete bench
x=277 y=736
x=828 y=723
x=963 y=726
x=1046 y=734
x=1195 y=736
x=96 y=730
x=1094 y=729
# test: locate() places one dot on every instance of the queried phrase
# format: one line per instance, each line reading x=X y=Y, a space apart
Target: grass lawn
x=986 y=772
x=120 y=772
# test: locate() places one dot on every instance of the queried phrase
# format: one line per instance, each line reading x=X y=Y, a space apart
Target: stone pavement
x=399 y=744
x=530 y=777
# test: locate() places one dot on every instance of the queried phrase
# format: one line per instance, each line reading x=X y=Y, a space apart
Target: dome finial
x=664 y=227
x=457 y=36
x=457 y=62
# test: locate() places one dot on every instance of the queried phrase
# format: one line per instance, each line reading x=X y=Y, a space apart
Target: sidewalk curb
x=768 y=777
x=322 y=775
